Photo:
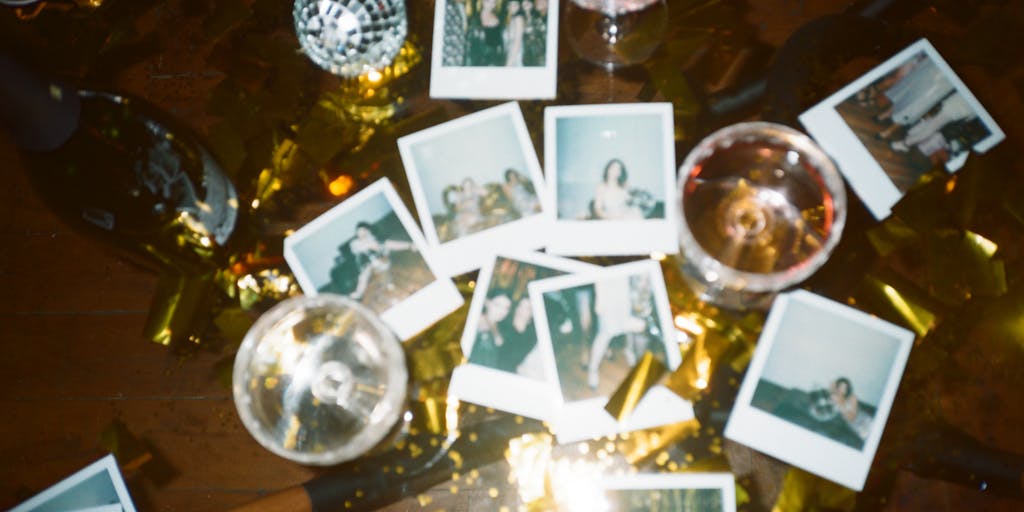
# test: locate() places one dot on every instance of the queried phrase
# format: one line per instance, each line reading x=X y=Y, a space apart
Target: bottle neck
x=40 y=115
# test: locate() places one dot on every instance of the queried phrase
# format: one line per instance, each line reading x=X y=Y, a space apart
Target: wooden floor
x=78 y=373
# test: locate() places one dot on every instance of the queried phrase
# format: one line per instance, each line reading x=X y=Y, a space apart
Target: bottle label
x=212 y=215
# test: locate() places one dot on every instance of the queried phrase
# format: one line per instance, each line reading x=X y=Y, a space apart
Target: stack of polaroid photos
x=562 y=333
x=550 y=337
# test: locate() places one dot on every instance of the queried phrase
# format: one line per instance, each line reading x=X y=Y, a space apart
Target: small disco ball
x=351 y=37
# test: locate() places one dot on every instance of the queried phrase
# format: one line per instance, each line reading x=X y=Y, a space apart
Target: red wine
x=118 y=168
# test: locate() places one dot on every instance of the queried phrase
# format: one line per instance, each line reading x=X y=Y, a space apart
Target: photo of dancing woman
x=379 y=266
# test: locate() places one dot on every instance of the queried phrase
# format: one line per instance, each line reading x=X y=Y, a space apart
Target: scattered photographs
x=898 y=121
x=703 y=492
x=592 y=328
x=820 y=386
x=500 y=339
x=97 y=487
x=477 y=187
x=611 y=170
x=368 y=248
x=495 y=49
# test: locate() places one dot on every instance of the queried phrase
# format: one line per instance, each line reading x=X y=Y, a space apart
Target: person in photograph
x=455 y=25
x=372 y=256
x=515 y=28
x=535 y=34
x=616 y=316
x=520 y=193
x=466 y=203
x=849 y=408
x=505 y=333
x=913 y=94
x=485 y=36
x=489 y=340
x=952 y=109
x=612 y=197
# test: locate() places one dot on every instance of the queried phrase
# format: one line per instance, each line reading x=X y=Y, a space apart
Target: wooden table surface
x=75 y=362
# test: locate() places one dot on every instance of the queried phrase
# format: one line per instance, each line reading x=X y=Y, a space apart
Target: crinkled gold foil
x=694 y=374
x=177 y=312
x=529 y=458
x=899 y=301
x=804 y=491
x=962 y=264
x=642 y=445
x=641 y=378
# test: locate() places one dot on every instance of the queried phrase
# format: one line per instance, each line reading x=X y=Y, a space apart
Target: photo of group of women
x=905 y=117
x=500 y=339
x=821 y=382
x=476 y=183
x=494 y=33
x=912 y=119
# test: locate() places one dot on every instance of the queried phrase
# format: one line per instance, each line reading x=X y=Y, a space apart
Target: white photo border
x=587 y=419
x=793 y=444
x=861 y=170
x=490 y=387
x=497 y=82
x=724 y=482
x=106 y=465
x=417 y=311
x=612 y=237
x=467 y=253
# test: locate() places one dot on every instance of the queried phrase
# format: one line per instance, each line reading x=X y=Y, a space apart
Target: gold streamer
x=641 y=378
x=897 y=300
x=694 y=374
x=804 y=491
x=642 y=445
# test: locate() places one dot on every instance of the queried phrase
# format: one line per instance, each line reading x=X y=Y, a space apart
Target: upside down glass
x=319 y=379
x=762 y=206
x=615 y=33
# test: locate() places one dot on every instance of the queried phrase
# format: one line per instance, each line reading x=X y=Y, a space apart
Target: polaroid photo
x=500 y=338
x=477 y=187
x=368 y=248
x=820 y=386
x=706 y=492
x=494 y=49
x=898 y=121
x=97 y=487
x=592 y=328
x=611 y=176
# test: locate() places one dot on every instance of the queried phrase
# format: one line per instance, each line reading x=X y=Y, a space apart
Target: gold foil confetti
x=644 y=444
x=804 y=491
x=647 y=372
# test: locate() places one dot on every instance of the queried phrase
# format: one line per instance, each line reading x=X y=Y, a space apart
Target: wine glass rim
x=385 y=414
x=822 y=164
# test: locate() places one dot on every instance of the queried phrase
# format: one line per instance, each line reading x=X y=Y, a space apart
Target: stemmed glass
x=615 y=33
x=762 y=206
x=319 y=379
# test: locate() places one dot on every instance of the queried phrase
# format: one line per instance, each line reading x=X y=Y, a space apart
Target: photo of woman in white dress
x=612 y=198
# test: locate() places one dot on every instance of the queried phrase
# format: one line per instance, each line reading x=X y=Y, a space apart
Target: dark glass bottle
x=118 y=168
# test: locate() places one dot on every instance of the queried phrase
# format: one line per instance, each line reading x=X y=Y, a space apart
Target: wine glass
x=319 y=379
x=615 y=33
x=762 y=206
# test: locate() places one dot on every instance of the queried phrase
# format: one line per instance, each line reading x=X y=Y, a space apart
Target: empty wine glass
x=319 y=379
x=615 y=33
x=762 y=207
